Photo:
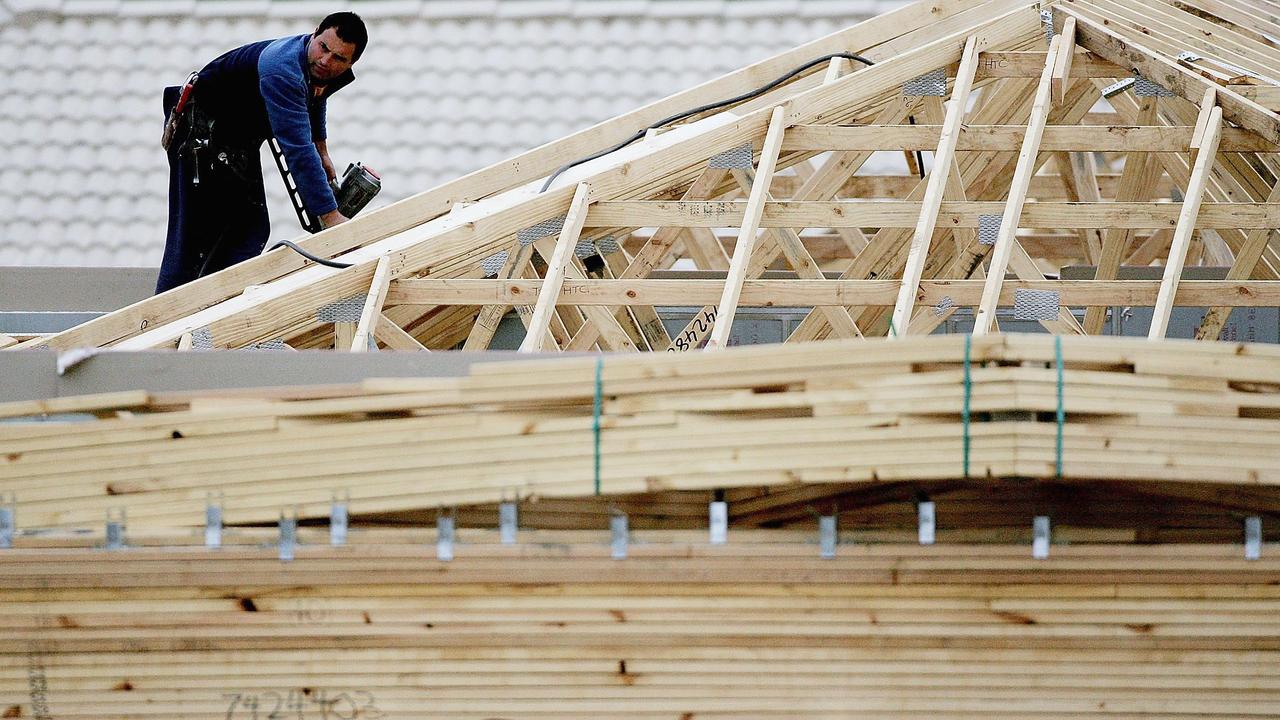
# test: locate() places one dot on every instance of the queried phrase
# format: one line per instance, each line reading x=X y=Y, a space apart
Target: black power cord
x=314 y=258
x=640 y=133
x=703 y=108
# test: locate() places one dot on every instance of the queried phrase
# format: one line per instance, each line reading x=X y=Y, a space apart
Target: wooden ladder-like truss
x=1142 y=134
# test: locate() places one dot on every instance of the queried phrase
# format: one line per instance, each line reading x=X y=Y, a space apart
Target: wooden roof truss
x=1029 y=169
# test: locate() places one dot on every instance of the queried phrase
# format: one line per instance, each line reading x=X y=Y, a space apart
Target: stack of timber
x=556 y=626
x=982 y=510
x=1145 y=455
x=935 y=408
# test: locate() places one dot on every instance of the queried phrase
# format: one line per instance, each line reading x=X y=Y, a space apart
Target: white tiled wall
x=446 y=87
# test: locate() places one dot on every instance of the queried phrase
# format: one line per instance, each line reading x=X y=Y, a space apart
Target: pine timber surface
x=1037 y=146
x=857 y=411
x=553 y=627
x=452 y=245
x=1146 y=606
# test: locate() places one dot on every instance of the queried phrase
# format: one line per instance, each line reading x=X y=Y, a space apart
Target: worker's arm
x=284 y=95
x=322 y=148
x=320 y=134
x=332 y=218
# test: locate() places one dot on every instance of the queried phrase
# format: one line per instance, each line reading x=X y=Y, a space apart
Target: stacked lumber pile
x=915 y=409
x=553 y=626
x=980 y=510
x=577 y=621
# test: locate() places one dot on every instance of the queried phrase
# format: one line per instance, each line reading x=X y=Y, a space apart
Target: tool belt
x=192 y=131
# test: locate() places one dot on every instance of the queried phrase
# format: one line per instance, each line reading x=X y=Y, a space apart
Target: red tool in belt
x=175 y=115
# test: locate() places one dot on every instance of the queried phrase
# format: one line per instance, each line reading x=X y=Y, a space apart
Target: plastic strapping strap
x=595 y=420
x=1057 y=347
x=968 y=392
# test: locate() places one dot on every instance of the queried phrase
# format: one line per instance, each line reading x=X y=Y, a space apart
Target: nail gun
x=353 y=191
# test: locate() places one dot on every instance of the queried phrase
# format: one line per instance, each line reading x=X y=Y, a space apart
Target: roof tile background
x=446 y=87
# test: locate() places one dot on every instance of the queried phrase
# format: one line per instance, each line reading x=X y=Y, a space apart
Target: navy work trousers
x=217 y=223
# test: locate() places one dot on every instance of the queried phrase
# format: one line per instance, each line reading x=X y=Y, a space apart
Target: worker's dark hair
x=349 y=27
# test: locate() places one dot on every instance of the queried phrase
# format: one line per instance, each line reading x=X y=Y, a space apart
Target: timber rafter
x=1034 y=174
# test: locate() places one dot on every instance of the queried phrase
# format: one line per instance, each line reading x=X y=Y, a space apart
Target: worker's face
x=328 y=56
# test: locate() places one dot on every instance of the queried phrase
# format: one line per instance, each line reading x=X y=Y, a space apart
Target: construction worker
x=273 y=88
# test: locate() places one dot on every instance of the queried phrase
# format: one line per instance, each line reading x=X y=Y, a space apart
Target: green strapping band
x=968 y=391
x=595 y=417
x=1062 y=415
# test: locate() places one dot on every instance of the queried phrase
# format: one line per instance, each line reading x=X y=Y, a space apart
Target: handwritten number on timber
x=302 y=704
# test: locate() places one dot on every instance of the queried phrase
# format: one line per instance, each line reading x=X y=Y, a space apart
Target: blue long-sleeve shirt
x=262 y=90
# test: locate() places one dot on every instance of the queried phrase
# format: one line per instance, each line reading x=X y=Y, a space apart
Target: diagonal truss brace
x=937 y=186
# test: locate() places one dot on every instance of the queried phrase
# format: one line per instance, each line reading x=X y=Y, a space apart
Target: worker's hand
x=331 y=218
